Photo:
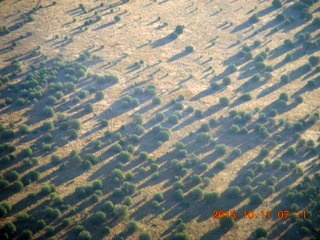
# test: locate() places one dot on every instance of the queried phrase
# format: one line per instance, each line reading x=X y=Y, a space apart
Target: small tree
x=224 y=101
x=98 y=218
x=227 y=223
x=276 y=4
x=256 y=199
x=145 y=236
x=261 y=232
x=132 y=226
x=120 y=211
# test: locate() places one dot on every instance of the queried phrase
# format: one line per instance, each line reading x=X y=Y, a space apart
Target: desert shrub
x=48 y=111
x=84 y=235
x=311 y=84
x=120 y=211
x=205 y=127
x=173 y=119
x=129 y=188
x=276 y=3
x=179 y=29
x=145 y=236
x=203 y=138
x=24 y=128
x=17 y=186
x=221 y=149
x=231 y=68
x=254 y=18
x=213 y=122
x=3 y=211
x=221 y=165
x=224 y=101
x=88 y=108
x=12 y=176
x=179 y=195
x=211 y=197
x=197 y=193
x=132 y=226
x=98 y=218
x=233 y=192
x=163 y=135
x=189 y=49
x=246 y=97
x=198 y=113
x=73 y=134
x=108 y=206
x=117 y=174
x=234 y=129
x=180 y=236
x=116 y=148
x=261 y=232
x=156 y=100
x=226 y=223
x=99 y=95
x=236 y=152
x=314 y=60
x=8 y=228
x=256 y=199
x=125 y=156
x=276 y=164
x=26 y=152
x=226 y=81
x=196 y=179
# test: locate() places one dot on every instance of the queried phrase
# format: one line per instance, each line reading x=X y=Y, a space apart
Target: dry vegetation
x=137 y=119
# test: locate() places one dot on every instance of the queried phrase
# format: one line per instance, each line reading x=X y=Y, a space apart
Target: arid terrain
x=159 y=119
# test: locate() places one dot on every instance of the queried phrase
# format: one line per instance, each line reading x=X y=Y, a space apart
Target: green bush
x=24 y=128
x=132 y=226
x=156 y=100
x=205 y=127
x=276 y=164
x=189 y=49
x=256 y=199
x=221 y=149
x=116 y=148
x=261 y=232
x=179 y=29
x=108 y=206
x=226 y=223
x=125 y=156
x=197 y=193
x=211 y=197
x=180 y=236
x=224 y=101
x=120 y=211
x=221 y=165
x=233 y=192
x=276 y=3
x=84 y=235
x=198 y=113
x=12 y=176
x=203 y=138
x=48 y=111
x=145 y=236
x=246 y=97
x=17 y=186
x=231 y=68
x=283 y=97
x=129 y=188
x=8 y=228
x=98 y=218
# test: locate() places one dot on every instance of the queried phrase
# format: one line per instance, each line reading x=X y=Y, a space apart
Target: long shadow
x=242 y=26
x=178 y=56
x=299 y=72
x=307 y=88
x=162 y=41
x=105 y=25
